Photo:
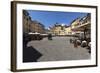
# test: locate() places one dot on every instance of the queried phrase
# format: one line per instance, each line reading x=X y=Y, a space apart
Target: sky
x=49 y=18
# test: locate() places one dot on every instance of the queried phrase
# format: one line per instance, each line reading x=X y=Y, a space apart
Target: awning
x=82 y=27
x=34 y=33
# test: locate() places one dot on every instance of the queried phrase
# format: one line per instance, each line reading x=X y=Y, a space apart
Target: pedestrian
x=49 y=36
x=75 y=43
x=84 y=43
x=70 y=40
x=78 y=42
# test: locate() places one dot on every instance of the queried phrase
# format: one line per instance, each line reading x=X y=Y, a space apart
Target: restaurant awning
x=82 y=27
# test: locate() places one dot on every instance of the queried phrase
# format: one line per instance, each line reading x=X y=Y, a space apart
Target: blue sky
x=49 y=18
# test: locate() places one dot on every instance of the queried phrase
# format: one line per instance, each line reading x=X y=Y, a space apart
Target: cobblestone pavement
x=59 y=49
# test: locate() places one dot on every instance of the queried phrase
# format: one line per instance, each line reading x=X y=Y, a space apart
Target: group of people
x=83 y=43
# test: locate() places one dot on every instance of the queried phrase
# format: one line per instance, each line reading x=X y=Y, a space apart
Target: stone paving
x=59 y=49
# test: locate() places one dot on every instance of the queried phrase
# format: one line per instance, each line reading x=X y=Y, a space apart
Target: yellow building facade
x=61 y=30
x=82 y=26
x=75 y=23
x=68 y=30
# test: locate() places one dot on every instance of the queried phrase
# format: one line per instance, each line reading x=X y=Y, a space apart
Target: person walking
x=49 y=36
x=75 y=43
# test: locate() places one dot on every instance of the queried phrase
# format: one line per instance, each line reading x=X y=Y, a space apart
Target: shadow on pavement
x=30 y=54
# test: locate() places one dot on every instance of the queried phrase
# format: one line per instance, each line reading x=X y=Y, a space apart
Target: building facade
x=59 y=30
x=83 y=26
x=68 y=30
x=31 y=25
x=75 y=23
x=37 y=27
x=26 y=21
